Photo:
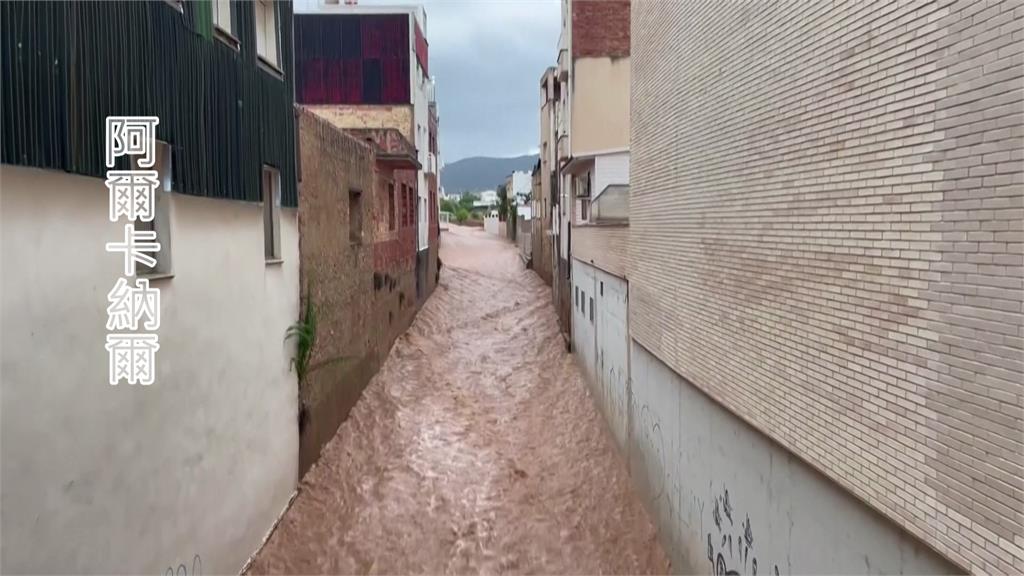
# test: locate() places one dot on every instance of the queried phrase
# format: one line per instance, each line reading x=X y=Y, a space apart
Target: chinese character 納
x=129 y=304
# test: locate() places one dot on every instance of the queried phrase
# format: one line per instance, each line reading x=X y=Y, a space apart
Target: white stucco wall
x=131 y=479
x=610 y=169
x=601 y=345
x=707 y=476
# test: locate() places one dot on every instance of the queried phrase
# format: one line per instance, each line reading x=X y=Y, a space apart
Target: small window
x=391 y=205
x=222 y=15
x=161 y=223
x=591 y=310
x=266 y=30
x=577 y=303
x=355 y=216
x=271 y=194
x=602 y=288
x=406 y=206
x=585 y=209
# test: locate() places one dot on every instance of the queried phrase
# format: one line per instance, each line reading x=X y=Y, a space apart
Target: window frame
x=271 y=213
x=260 y=6
x=224 y=33
x=161 y=223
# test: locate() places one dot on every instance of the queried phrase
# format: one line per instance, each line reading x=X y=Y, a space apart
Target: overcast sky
x=487 y=57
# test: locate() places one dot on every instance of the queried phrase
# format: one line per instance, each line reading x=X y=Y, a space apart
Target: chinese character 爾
x=135 y=247
x=132 y=357
x=131 y=135
x=129 y=304
x=131 y=194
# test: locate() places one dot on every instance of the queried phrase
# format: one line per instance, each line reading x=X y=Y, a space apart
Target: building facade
x=111 y=479
x=825 y=269
x=540 y=256
x=368 y=67
x=584 y=165
x=357 y=221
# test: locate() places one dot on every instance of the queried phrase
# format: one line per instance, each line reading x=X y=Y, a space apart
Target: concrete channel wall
x=725 y=498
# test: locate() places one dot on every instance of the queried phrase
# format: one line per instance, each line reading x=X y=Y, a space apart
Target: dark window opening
x=355 y=216
x=391 y=206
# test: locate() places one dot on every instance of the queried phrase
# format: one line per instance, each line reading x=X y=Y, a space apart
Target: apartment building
x=540 y=251
x=825 y=281
x=111 y=479
x=586 y=104
x=433 y=178
x=546 y=203
x=367 y=66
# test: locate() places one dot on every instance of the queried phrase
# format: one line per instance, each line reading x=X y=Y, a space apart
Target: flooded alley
x=475 y=449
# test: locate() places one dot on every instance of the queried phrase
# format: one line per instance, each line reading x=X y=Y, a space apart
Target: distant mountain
x=482 y=173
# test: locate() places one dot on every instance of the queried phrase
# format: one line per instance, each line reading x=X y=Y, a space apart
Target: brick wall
x=398 y=116
x=605 y=246
x=363 y=300
x=826 y=237
x=600 y=28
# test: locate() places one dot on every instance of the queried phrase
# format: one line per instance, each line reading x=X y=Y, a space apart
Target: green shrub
x=304 y=333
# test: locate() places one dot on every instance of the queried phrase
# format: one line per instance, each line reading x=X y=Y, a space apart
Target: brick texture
x=600 y=28
x=603 y=246
x=398 y=116
x=826 y=237
x=364 y=292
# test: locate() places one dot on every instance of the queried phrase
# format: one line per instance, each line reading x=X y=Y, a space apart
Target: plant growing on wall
x=304 y=334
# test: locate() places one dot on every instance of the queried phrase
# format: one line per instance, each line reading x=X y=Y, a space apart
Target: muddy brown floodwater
x=475 y=449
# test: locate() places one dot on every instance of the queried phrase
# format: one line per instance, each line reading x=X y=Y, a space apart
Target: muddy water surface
x=475 y=449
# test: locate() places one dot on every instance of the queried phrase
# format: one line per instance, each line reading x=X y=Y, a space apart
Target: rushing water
x=476 y=448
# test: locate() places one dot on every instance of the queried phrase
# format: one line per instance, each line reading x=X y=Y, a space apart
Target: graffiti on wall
x=182 y=570
x=731 y=544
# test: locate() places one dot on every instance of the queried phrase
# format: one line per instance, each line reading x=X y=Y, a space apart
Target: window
x=406 y=207
x=391 y=205
x=591 y=310
x=577 y=295
x=584 y=209
x=266 y=30
x=271 y=194
x=222 y=15
x=355 y=216
x=161 y=223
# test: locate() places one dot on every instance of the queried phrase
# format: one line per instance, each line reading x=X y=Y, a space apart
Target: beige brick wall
x=398 y=117
x=827 y=238
x=603 y=246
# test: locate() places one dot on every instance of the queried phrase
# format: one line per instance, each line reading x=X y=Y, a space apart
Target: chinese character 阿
x=135 y=247
x=131 y=135
x=131 y=194
x=129 y=304
x=132 y=358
